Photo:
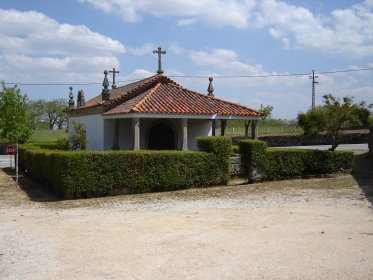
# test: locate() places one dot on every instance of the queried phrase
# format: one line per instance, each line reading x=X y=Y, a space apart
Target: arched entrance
x=161 y=137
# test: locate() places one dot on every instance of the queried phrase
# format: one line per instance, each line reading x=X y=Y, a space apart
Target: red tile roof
x=161 y=95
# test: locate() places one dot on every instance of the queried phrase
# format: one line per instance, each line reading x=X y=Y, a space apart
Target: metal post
x=17 y=162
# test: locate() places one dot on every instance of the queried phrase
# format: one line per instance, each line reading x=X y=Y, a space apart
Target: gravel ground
x=294 y=229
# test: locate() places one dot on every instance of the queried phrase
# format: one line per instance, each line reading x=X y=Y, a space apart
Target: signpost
x=10 y=149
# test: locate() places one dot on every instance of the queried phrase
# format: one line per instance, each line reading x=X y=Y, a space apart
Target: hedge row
x=88 y=173
x=287 y=163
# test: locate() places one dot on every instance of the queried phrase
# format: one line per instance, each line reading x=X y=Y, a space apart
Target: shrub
x=221 y=147
x=77 y=173
x=253 y=157
x=271 y=163
x=235 y=149
x=286 y=163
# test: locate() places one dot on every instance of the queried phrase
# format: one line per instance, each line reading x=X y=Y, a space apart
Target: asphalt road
x=341 y=147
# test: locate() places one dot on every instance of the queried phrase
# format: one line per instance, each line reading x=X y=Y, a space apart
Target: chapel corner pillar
x=254 y=129
x=184 y=129
x=136 y=133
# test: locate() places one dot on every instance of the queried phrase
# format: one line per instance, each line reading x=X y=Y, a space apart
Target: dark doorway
x=161 y=137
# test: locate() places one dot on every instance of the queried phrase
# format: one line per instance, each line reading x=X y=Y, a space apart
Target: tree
x=331 y=117
x=14 y=120
x=36 y=111
x=55 y=112
x=79 y=138
x=266 y=110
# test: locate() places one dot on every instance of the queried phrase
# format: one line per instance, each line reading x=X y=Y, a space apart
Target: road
x=341 y=147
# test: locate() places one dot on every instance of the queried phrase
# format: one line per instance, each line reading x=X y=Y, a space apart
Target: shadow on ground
x=33 y=190
x=363 y=174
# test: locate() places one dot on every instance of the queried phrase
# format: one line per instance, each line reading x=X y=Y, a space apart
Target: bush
x=271 y=163
x=221 y=147
x=287 y=163
x=235 y=149
x=284 y=163
x=81 y=173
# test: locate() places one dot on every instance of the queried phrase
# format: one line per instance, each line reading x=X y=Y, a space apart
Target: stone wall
x=357 y=137
x=236 y=168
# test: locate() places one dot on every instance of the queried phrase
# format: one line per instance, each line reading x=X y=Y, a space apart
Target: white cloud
x=186 y=12
x=174 y=48
x=36 y=48
x=146 y=49
x=348 y=31
x=137 y=74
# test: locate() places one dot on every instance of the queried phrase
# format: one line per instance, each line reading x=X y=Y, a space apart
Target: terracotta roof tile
x=160 y=95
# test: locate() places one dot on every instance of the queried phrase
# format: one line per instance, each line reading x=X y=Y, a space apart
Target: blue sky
x=74 y=41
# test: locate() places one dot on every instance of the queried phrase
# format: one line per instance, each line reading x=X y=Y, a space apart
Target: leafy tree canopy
x=266 y=110
x=14 y=122
x=334 y=115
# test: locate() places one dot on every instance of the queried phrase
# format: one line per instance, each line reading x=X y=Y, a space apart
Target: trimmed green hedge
x=221 y=147
x=253 y=151
x=81 y=173
x=286 y=163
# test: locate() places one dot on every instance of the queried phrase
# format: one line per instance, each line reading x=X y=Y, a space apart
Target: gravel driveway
x=295 y=229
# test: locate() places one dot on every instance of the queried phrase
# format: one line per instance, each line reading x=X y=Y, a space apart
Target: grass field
x=41 y=136
x=234 y=128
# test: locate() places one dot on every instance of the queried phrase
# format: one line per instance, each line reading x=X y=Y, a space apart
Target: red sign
x=10 y=150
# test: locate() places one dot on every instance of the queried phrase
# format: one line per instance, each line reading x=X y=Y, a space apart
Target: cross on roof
x=159 y=52
x=113 y=71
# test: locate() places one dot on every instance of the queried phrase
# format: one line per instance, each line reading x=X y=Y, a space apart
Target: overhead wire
x=196 y=77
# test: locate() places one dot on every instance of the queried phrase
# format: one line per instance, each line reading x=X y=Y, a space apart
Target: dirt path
x=296 y=229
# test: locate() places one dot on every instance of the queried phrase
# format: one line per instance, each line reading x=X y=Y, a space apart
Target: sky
x=72 y=42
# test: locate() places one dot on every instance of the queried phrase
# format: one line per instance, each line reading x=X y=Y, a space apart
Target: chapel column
x=136 y=133
x=254 y=129
x=184 y=130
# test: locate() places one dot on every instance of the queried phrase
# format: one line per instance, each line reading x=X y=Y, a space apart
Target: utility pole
x=313 y=77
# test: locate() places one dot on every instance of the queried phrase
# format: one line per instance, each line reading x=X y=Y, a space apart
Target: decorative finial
x=159 y=52
x=210 y=89
x=113 y=71
x=81 y=99
x=105 y=91
x=71 y=98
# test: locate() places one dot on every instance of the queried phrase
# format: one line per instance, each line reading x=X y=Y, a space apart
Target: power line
x=196 y=77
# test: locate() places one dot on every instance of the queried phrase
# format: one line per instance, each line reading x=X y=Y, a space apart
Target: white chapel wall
x=94 y=130
x=198 y=128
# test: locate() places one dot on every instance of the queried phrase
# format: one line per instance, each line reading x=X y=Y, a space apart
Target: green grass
x=43 y=136
x=266 y=127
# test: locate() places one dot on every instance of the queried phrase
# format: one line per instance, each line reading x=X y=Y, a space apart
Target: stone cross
x=113 y=71
x=159 y=52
